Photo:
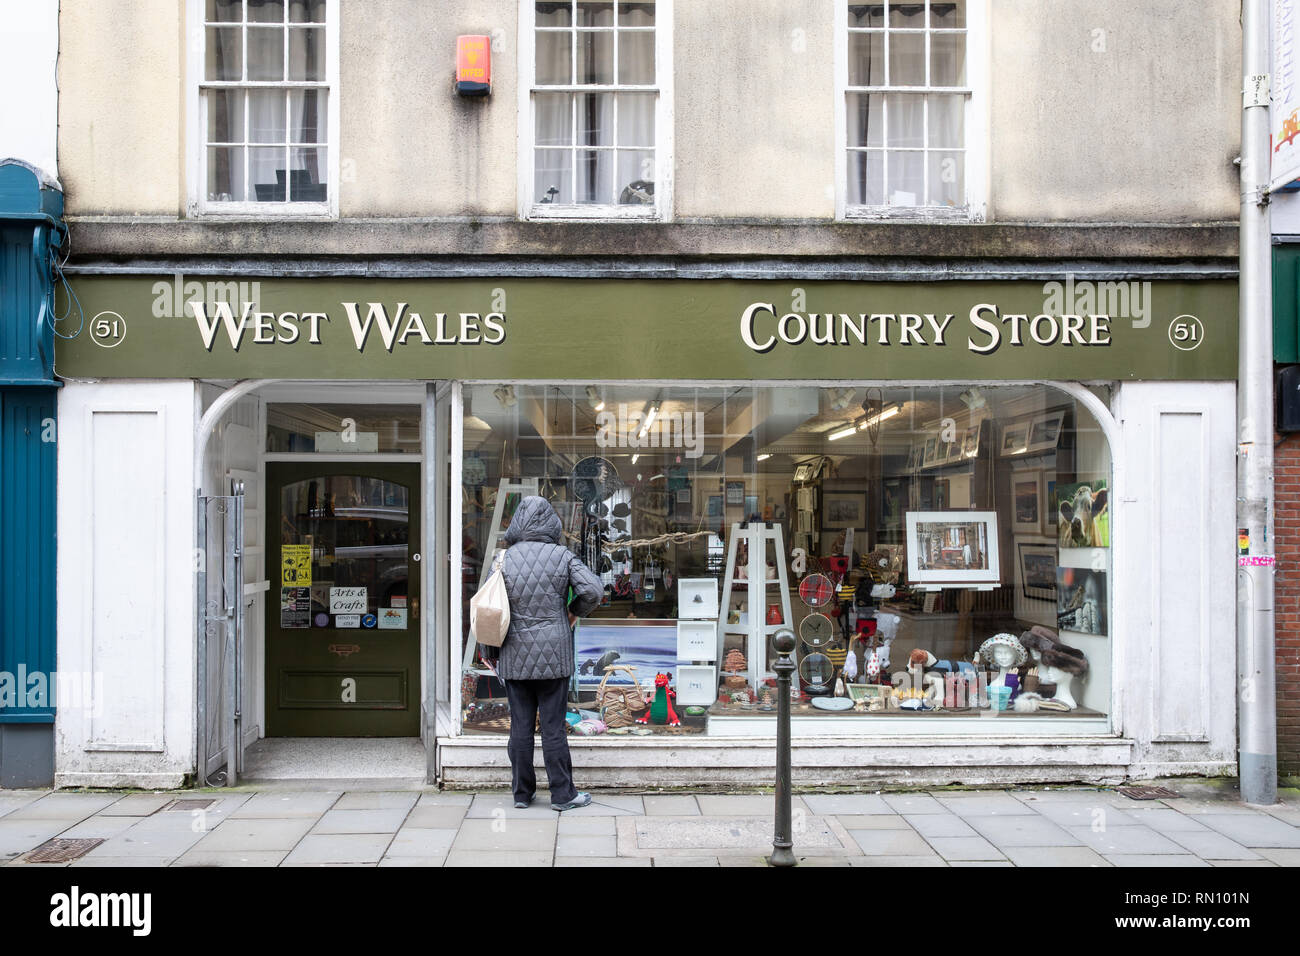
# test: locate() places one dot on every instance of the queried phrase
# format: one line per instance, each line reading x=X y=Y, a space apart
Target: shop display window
x=941 y=553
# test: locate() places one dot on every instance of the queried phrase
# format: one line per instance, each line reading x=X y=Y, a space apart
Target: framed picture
x=1045 y=432
x=844 y=509
x=804 y=472
x=1027 y=504
x=970 y=446
x=1015 y=438
x=649 y=646
x=941 y=497
x=953 y=547
x=751 y=505
x=1081 y=600
x=683 y=496
x=952 y=450
x=1080 y=516
x=915 y=455
x=931 y=450
x=715 y=506
x=735 y=493
x=1038 y=570
x=892 y=504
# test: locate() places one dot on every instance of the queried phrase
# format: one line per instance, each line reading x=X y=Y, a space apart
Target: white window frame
x=976 y=121
x=197 y=203
x=661 y=211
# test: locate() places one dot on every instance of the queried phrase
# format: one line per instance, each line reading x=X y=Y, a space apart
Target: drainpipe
x=1257 y=721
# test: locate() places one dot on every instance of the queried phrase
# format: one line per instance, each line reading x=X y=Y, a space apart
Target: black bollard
x=782 y=842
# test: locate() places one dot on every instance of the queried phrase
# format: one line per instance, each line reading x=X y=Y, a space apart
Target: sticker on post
x=347 y=620
x=392 y=618
x=348 y=600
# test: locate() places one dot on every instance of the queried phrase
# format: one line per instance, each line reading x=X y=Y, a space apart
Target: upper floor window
x=266 y=107
x=912 y=135
x=595 y=119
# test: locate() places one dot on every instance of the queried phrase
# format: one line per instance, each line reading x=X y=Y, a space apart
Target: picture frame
x=970 y=446
x=844 y=509
x=1015 y=438
x=684 y=496
x=867 y=692
x=914 y=455
x=1028 y=507
x=751 y=505
x=892 y=504
x=735 y=493
x=1038 y=570
x=1044 y=432
x=803 y=472
x=647 y=645
x=941 y=494
x=714 y=506
x=953 y=548
x=931 y=450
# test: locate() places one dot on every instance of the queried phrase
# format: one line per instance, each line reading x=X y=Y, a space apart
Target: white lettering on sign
x=1257 y=561
x=348 y=601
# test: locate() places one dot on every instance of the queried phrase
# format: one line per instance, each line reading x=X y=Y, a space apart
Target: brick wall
x=1287 y=602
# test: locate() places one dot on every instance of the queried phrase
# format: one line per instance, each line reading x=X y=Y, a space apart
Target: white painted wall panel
x=125 y=538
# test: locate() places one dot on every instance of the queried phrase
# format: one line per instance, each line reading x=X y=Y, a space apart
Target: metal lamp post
x=782 y=842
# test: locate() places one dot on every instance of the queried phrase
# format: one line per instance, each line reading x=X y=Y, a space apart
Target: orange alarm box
x=474 y=65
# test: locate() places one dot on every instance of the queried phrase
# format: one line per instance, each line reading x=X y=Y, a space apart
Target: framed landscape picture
x=844 y=509
x=1027 y=503
x=952 y=547
x=1038 y=570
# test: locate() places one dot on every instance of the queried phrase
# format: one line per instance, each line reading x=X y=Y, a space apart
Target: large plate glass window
x=264 y=104
x=596 y=107
x=942 y=553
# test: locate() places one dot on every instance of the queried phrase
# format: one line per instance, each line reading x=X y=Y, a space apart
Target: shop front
x=991 y=512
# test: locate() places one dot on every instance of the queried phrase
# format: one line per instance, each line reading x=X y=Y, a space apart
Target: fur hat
x=1053 y=652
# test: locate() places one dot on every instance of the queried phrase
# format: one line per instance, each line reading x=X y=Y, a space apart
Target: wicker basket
x=617 y=703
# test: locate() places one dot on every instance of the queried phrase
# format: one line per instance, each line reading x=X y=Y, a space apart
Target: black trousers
x=529 y=699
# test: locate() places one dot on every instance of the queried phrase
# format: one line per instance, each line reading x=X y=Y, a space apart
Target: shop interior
x=938 y=551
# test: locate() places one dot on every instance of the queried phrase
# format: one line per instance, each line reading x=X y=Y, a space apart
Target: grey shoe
x=581 y=800
x=521 y=805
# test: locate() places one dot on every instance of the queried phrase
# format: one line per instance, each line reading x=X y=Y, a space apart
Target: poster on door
x=295 y=565
x=295 y=608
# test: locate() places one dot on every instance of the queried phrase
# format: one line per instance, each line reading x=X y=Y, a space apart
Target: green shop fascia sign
x=658 y=329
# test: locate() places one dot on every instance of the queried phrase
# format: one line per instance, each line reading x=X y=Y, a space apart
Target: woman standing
x=536 y=659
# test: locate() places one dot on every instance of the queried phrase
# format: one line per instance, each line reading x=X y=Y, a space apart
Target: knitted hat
x=985 y=653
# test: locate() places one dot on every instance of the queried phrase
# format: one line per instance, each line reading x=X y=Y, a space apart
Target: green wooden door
x=342 y=640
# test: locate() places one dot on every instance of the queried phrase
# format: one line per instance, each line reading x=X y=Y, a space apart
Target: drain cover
x=1146 y=793
x=61 y=851
x=184 y=806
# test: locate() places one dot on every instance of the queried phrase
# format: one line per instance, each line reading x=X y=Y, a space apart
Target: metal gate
x=219 y=563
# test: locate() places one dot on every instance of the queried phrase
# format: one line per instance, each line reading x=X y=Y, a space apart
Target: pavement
x=294 y=823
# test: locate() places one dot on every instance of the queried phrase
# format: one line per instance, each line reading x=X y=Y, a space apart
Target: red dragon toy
x=661 y=706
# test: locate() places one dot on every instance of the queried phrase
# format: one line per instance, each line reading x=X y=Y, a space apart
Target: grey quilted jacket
x=538 y=573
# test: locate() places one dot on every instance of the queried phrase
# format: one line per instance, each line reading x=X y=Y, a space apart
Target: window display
x=940 y=552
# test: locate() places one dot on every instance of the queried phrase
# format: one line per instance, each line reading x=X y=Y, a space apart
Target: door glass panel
x=355 y=531
x=342 y=429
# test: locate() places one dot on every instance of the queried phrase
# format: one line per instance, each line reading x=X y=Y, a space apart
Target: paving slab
x=1125 y=840
x=1068 y=814
x=413 y=861
x=1242 y=863
x=891 y=842
x=933 y=859
x=139 y=804
x=1257 y=830
x=339 y=848
x=445 y=800
x=979 y=803
x=198 y=857
x=1168 y=820
x=586 y=845
x=1001 y=863
x=377 y=800
x=361 y=821
x=603 y=861
x=745 y=860
x=123 y=861
x=506 y=835
x=874 y=821
x=735 y=805
x=1282 y=857
x=295 y=803
x=412 y=841
x=502 y=806
x=671 y=805
x=611 y=804
x=570 y=824
x=1167 y=859
x=71 y=807
x=98 y=826
x=724 y=836
x=839 y=804
x=914 y=803
x=965 y=848
x=1009 y=831
x=19 y=836
x=1054 y=856
x=498 y=858
x=169 y=843
x=435 y=817
x=823 y=860
x=939 y=825
x=1284 y=813
x=252 y=834
x=1209 y=845
x=686 y=861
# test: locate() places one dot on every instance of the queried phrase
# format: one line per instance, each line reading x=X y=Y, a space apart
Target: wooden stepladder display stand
x=495 y=541
x=759 y=594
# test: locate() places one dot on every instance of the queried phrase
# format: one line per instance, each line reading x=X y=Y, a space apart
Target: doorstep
x=682 y=761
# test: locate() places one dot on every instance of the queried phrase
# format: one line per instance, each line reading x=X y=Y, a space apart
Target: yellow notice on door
x=295 y=565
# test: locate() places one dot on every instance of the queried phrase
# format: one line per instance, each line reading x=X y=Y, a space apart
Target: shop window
x=342 y=429
x=943 y=554
x=912 y=128
x=266 y=72
x=596 y=107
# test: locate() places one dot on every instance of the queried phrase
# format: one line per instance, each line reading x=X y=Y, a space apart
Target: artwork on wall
x=953 y=547
x=844 y=509
x=1038 y=570
x=735 y=493
x=1044 y=432
x=1081 y=516
x=1081 y=600
x=1027 y=502
x=649 y=646
x=1015 y=438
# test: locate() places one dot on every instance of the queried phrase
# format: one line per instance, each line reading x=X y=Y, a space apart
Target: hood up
x=534 y=520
